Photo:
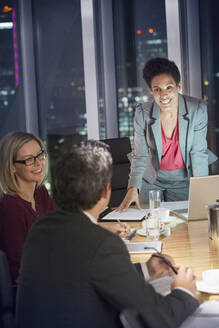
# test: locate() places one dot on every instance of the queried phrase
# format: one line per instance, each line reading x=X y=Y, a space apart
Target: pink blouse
x=171 y=155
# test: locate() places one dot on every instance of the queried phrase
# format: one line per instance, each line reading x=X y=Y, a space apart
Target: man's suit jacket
x=76 y=274
x=146 y=158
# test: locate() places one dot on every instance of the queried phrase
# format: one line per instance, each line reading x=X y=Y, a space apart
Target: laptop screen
x=203 y=191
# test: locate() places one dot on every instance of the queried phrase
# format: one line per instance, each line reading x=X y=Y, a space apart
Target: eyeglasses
x=32 y=160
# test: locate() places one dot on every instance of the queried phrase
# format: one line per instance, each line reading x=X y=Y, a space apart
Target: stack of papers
x=132 y=214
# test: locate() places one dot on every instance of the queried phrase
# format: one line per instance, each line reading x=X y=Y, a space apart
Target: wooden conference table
x=189 y=245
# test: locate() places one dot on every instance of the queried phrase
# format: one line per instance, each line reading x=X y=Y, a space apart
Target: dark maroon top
x=16 y=219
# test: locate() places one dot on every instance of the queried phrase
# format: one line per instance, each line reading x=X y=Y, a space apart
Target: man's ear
x=106 y=190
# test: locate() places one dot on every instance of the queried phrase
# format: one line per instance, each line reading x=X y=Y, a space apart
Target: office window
x=209 y=27
x=60 y=74
x=140 y=33
x=11 y=92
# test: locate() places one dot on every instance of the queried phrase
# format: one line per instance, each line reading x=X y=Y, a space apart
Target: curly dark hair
x=81 y=175
x=156 y=66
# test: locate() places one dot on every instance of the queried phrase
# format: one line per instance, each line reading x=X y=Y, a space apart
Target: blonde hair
x=9 y=146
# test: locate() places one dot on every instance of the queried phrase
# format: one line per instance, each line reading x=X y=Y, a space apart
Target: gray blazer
x=146 y=157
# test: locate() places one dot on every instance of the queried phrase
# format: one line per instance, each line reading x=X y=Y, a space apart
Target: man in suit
x=75 y=273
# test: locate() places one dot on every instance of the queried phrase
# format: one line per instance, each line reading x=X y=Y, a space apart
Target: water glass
x=153 y=228
x=144 y=227
x=154 y=199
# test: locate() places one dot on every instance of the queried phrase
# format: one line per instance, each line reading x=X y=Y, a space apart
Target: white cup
x=211 y=278
x=162 y=213
x=154 y=198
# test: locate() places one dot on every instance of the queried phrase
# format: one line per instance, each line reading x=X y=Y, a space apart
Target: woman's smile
x=165 y=91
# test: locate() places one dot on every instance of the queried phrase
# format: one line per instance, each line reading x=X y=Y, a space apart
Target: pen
x=121 y=224
x=165 y=261
x=161 y=257
x=151 y=247
x=132 y=234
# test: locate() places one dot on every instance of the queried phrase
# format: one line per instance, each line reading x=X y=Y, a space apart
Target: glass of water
x=154 y=199
x=153 y=227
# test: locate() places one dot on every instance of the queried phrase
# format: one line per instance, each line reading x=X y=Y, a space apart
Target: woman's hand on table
x=130 y=197
x=157 y=267
x=118 y=229
x=185 y=279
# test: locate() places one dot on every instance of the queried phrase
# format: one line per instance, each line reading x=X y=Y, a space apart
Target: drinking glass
x=153 y=228
x=154 y=199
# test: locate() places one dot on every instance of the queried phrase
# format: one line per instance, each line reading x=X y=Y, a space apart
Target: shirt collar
x=90 y=217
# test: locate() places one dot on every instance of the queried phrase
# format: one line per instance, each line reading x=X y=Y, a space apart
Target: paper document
x=179 y=205
x=180 y=208
x=145 y=247
x=132 y=214
x=208 y=309
x=207 y=315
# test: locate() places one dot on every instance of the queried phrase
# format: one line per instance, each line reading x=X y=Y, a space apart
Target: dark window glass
x=11 y=93
x=60 y=74
x=209 y=27
x=140 y=33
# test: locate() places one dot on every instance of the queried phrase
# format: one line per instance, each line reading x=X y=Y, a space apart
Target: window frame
x=180 y=34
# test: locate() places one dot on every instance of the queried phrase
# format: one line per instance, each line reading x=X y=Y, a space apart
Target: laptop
x=203 y=191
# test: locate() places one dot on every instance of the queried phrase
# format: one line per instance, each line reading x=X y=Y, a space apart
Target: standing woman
x=23 y=163
x=170 y=138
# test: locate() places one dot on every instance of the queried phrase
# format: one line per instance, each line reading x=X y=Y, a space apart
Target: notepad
x=140 y=247
x=131 y=214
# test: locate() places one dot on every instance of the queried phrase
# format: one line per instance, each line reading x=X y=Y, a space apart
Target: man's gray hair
x=81 y=175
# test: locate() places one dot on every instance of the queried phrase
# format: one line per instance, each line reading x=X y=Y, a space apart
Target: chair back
x=130 y=318
x=119 y=148
x=149 y=316
x=6 y=294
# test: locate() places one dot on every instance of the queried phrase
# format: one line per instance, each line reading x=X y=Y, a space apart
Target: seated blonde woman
x=23 y=162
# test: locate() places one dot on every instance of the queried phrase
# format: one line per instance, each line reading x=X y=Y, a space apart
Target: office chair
x=149 y=316
x=131 y=319
x=119 y=148
x=6 y=294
